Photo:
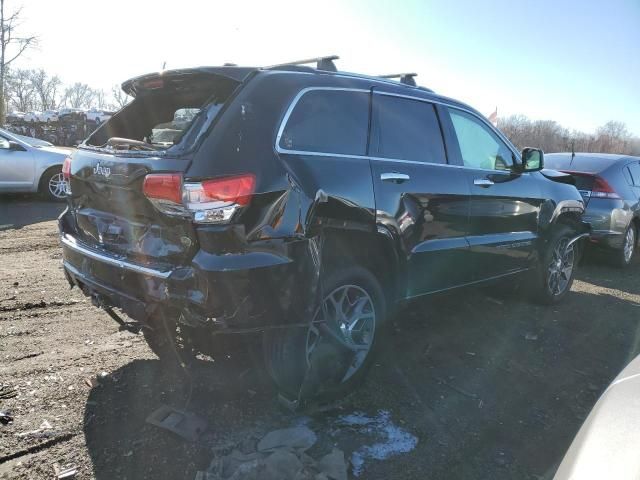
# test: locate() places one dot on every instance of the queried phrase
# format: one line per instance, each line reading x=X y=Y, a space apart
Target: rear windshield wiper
x=130 y=144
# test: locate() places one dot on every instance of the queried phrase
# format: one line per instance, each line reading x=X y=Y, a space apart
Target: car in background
x=71 y=114
x=31 y=165
x=32 y=117
x=606 y=445
x=98 y=116
x=610 y=187
x=13 y=117
x=48 y=116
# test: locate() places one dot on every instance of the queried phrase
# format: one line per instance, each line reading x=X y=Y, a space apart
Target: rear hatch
x=155 y=134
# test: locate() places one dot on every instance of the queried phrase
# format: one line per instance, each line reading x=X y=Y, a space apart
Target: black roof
x=238 y=74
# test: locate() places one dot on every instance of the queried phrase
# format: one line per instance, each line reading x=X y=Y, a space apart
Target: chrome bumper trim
x=73 y=245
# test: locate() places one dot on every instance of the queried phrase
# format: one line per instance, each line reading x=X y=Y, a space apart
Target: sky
x=576 y=62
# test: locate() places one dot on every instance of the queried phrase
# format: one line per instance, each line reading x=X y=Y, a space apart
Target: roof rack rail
x=406 y=78
x=322 y=63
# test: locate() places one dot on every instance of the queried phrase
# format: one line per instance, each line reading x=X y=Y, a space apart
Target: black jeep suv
x=302 y=203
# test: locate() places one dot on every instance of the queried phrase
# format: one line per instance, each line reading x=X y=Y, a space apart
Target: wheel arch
x=374 y=251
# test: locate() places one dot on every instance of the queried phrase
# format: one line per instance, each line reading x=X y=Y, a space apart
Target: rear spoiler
x=157 y=80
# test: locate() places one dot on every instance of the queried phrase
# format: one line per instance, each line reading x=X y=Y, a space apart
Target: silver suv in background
x=610 y=186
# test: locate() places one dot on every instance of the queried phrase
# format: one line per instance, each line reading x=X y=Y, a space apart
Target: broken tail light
x=210 y=201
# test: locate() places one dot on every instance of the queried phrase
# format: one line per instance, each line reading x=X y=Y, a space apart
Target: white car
x=98 y=116
x=32 y=117
x=48 y=116
x=31 y=165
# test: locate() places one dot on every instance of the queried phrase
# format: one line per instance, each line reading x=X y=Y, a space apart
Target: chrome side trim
x=71 y=243
x=574 y=240
x=302 y=92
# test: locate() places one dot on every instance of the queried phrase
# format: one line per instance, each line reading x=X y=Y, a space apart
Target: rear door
x=420 y=199
x=504 y=204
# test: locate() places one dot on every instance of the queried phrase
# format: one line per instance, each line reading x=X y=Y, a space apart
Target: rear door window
x=328 y=121
x=406 y=129
x=479 y=146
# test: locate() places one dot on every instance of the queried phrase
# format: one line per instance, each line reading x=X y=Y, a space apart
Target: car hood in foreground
x=607 y=444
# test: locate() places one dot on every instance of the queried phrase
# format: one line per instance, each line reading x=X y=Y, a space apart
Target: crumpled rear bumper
x=227 y=293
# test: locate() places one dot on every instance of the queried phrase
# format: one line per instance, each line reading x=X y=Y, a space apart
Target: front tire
x=554 y=277
x=330 y=357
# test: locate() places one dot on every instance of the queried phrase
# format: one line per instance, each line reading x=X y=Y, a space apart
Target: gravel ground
x=489 y=384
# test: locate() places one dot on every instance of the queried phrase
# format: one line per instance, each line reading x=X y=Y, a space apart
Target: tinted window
x=406 y=130
x=479 y=146
x=634 y=168
x=329 y=121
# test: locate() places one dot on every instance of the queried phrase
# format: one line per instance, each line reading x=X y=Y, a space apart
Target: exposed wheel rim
x=350 y=311
x=57 y=185
x=560 y=268
x=629 y=244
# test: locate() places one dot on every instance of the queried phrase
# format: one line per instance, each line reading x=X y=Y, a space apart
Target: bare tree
x=20 y=90
x=78 y=95
x=119 y=97
x=11 y=47
x=46 y=88
x=100 y=99
x=613 y=137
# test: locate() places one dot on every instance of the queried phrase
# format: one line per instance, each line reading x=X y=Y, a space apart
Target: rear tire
x=623 y=257
x=308 y=362
x=553 y=279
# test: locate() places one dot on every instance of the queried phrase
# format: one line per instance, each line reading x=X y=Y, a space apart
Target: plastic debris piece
x=300 y=437
x=67 y=473
x=5 y=417
x=185 y=424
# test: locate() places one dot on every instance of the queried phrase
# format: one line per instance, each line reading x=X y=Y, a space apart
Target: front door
x=421 y=199
x=17 y=168
x=504 y=204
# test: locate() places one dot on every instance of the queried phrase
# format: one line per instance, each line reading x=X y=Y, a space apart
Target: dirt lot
x=490 y=385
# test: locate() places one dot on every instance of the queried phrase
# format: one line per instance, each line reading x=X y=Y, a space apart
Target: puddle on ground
x=384 y=438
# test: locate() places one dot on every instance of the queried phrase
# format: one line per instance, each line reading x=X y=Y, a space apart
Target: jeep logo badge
x=99 y=170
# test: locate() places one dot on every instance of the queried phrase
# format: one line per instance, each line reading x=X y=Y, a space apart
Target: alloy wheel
x=349 y=311
x=629 y=244
x=57 y=185
x=561 y=267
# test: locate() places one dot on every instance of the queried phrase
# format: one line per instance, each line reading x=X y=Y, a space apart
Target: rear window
x=634 y=168
x=162 y=117
x=328 y=121
x=406 y=130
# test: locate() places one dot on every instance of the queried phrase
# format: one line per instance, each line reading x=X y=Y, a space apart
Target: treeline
x=35 y=90
x=612 y=137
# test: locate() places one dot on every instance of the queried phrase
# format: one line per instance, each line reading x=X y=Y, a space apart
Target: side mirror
x=16 y=146
x=532 y=159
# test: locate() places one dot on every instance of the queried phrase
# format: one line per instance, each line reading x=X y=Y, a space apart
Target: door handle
x=394 y=177
x=482 y=182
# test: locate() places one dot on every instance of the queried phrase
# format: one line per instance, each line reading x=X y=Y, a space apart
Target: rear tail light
x=66 y=174
x=602 y=189
x=209 y=201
